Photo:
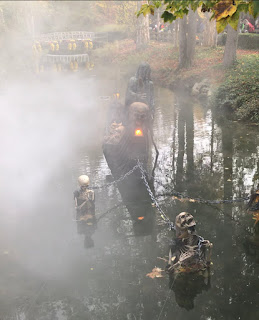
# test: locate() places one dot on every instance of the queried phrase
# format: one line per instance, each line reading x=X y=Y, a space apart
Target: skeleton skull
x=139 y=114
x=184 y=221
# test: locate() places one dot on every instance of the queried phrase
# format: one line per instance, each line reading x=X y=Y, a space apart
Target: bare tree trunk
x=213 y=34
x=175 y=33
x=191 y=36
x=231 y=47
x=183 y=43
x=158 y=22
x=187 y=40
x=210 y=32
x=143 y=36
x=215 y=38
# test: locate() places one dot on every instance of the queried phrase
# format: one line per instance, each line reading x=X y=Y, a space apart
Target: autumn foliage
x=223 y=11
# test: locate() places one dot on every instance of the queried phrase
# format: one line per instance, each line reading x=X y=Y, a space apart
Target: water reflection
x=137 y=200
x=53 y=277
x=213 y=154
x=187 y=286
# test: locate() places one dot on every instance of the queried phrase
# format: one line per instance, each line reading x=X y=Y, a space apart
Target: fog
x=43 y=124
x=52 y=126
x=46 y=121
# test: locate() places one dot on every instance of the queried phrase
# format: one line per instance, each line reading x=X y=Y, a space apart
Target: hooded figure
x=141 y=88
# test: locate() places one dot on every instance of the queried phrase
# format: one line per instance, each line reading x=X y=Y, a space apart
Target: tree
x=24 y=16
x=187 y=40
x=223 y=11
x=143 y=36
x=209 y=38
x=230 y=47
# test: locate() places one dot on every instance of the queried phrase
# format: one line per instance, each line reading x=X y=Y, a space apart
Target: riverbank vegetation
x=238 y=95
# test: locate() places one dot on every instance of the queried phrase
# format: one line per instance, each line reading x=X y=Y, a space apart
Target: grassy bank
x=163 y=59
x=236 y=89
x=238 y=95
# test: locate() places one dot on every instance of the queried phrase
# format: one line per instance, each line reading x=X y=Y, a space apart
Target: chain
x=201 y=200
x=154 y=200
x=118 y=180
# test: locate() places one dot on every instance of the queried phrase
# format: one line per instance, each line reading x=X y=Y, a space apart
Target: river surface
x=52 y=133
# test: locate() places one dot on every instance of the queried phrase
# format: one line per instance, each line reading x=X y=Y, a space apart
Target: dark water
x=46 y=274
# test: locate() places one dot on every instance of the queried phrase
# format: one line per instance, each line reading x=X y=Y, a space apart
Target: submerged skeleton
x=188 y=252
x=251 y=242
x=85 y=210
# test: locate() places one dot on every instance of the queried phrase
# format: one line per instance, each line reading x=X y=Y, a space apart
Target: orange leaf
x=256 y=217
x=156 y=273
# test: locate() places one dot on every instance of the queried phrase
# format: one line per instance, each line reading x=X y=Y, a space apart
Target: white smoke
x=42 y=123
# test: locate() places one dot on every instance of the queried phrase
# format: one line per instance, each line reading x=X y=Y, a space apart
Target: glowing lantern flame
x=140 y=218
x=138 y=133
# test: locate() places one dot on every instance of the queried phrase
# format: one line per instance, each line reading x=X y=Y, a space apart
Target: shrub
x=248 y=41
x=239 y=94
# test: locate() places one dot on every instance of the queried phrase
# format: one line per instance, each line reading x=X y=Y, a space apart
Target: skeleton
x=189 y=251
x=139 y=115
x=85 y=201
x=85 y=210
x=115 y=133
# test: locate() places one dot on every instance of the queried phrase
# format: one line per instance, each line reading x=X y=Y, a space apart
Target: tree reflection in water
x=109 y=281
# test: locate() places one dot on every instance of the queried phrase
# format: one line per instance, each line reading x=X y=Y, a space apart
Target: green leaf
x=179 y=13
x=146 y=9
x=212 y=16
x=233 y=20
x=254 y=8
x=152 y=10
x=242 y=7
x=195 y=5
x=185 y=11
x=221 y=24
x=168 y=16
x=157 y=4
